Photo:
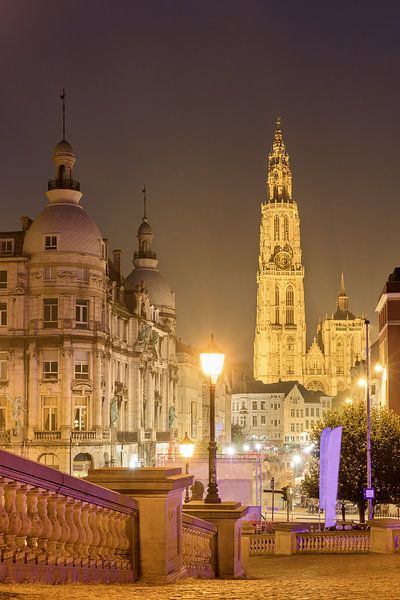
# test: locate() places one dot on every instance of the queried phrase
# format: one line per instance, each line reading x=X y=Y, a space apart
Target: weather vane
x=144 y=203
x=62 y=97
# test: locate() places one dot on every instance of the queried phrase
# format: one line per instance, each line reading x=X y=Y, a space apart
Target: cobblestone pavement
x=277 y=578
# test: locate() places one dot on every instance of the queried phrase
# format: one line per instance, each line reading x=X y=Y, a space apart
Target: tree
x=237 y=434
x=385 y=444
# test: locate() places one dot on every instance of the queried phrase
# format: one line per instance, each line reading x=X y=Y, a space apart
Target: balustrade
x=58 y=528
x=199 y=540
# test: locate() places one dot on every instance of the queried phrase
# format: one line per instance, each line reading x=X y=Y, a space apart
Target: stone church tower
x=280 y=337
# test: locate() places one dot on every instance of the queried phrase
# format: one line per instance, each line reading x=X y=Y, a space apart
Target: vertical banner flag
x=330 y=445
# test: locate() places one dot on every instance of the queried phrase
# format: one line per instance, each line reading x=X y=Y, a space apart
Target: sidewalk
x=335 y=577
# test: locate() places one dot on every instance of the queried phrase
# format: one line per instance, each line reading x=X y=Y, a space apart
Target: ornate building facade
x=280 y=351
x=87 y=357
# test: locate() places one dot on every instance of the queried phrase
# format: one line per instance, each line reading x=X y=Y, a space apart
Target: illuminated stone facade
x=87 y=357
x=280 y=351
x=280 y=339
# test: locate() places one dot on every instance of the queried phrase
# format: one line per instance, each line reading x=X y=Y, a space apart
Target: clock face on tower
x=282 y=260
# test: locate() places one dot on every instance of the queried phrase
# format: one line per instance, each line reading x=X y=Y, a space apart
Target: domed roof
x=157 y=288
x=145 y=227
x=63 y=147
x=76 y=231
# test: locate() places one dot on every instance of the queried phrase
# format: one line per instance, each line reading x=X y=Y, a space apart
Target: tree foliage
x=237 y=434
x=385 y=446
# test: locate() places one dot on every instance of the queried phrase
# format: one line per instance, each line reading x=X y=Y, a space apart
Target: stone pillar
x=285 y=537
x=97 y=392
x=158 y=493
x=385 y=535
x=226 y=516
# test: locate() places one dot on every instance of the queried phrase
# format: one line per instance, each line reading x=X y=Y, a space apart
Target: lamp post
x=212 y=362
x=186 y=448
x=369 y=457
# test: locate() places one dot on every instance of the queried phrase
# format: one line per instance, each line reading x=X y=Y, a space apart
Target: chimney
x=26 y=222
x=117 y=261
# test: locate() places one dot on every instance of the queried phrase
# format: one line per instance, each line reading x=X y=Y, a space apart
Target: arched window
x=289 y=305
x=49 y=459
x=286 y=229
x=276 y=304
x=276 y=227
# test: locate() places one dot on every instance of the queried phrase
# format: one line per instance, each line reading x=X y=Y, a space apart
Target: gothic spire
x=279 y=179
x=343 y=299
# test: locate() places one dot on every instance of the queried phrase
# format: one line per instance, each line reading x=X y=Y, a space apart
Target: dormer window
x=7 y=247
x=50 y=242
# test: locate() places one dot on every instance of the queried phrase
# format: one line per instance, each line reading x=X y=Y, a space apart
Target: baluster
x=94 y=551
x=21 y=503
x=63 y=557
x=88 y=533
x=14 y=519
x=55 y=534
x=101 y=527
x=110 y=537
x=70 y=541
x=36 y=523
x=3 y=515
x=81 y=533
x=47 y=527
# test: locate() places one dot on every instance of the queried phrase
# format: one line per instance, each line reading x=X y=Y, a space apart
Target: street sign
x=369 y=493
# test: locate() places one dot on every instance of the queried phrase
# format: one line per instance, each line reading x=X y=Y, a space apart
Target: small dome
x=145 y=228
x=76 y=231
x=157 y=288
x=63 y=147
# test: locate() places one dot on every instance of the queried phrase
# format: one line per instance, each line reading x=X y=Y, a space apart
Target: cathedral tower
x=280 y=337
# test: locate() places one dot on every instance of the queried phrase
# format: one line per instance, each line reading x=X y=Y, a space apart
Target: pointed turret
x=342 y=311
x=145 y=257
x=279 y=181
x=64 y=159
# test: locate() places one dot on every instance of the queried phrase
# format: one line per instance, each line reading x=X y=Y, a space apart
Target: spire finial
x=278 y=122
x=342 y=290
x=144 y=203
x=62 y=98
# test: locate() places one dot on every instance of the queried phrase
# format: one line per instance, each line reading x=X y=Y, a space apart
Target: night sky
x=183 y=96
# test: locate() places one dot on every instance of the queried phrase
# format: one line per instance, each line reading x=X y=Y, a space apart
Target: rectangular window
x=49 y=273
x=49 y=413
x=307 y=412
x=254 y=405
x=3 y=313
x=50 y=312
x=50 y=242
x=254 y=421
x=292 y=412
x=81 y=360
x=3 y=366
x=82 y=313
x=3 y=413
x=262 y=404
x=317 y=412
x=81 y=413
x=50 y=369
x=7 y=247
x=312 y=412
x=262 y=419
x=3 y=280
x=307 y=424
x=82 y=275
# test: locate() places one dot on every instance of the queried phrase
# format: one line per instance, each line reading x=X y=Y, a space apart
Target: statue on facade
x=17 y=407
x=197 y=490
x=171 y=416
x=114 y=411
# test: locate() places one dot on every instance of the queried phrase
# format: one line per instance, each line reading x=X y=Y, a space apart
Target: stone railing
x=55 y=528
x=199 y=547
x=333 y=541
x=262 y=544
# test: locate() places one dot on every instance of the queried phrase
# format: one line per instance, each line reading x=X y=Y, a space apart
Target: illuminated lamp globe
x=362 y=382
x=186 y=447
x=212 y=361
x=378 y=368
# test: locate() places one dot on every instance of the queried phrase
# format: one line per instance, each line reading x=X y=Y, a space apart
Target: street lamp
x=370 y=491
x=212 y=362
x=186 y=448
